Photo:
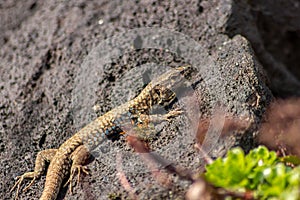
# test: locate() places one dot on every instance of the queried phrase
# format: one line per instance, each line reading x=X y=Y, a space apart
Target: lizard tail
x=52 y=186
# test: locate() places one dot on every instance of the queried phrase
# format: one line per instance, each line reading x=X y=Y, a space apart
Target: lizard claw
x=74 y=169
x=17 y=184
x=20 y=180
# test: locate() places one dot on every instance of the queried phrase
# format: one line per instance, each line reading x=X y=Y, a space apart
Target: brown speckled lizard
x=70 y=157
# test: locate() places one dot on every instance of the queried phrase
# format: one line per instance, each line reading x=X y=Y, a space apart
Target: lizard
x=71 y=156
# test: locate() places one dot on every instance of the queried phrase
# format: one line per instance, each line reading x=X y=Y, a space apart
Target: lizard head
x=173 y=78
x=170 y=81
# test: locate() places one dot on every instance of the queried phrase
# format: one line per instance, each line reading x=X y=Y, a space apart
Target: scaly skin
x=70 y=157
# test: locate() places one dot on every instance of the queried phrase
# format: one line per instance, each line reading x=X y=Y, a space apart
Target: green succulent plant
x=260 y=171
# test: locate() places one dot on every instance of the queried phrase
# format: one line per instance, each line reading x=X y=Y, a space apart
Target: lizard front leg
x=40 y=167
x=79 y=158
x=145 y=127
x=158 y=118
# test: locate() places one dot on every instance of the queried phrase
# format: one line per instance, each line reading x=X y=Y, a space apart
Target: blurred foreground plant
x=260 y=172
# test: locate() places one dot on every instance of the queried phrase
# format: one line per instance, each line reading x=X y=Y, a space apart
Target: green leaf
x=290 y=160
x=259 y=171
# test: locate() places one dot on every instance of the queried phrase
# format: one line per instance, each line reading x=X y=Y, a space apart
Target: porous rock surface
x=44 y=44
